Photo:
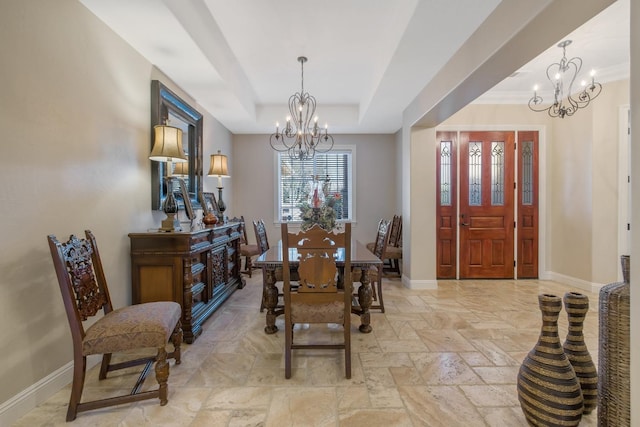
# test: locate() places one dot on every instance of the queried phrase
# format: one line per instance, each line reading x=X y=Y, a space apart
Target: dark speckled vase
x=548 y=389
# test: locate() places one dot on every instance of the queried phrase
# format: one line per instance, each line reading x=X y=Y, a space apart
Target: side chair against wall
x=317 y=297
x=393 y=251
x=149 y=325
x=375 y=273
x=248 y=251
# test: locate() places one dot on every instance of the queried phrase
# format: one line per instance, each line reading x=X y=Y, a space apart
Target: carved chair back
x=81 y=279
x=395 y=236
x=382 y=238
x=261 y=235
x=243 y=238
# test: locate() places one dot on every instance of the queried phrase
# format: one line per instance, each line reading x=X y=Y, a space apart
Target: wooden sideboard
x=199 y=269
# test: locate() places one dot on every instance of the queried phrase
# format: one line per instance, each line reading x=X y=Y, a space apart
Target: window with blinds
x=332 y=169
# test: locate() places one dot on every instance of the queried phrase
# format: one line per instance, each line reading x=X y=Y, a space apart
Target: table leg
x=271 y=300
x=365 y=297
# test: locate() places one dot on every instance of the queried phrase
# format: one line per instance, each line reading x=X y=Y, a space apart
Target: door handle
x=462 y=223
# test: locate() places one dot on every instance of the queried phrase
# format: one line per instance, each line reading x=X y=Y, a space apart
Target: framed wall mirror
x=168 y=108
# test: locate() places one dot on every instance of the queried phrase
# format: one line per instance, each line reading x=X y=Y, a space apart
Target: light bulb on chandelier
x=564 y=73
x=301 y=138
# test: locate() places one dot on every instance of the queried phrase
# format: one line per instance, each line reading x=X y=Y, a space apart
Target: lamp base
x=170 y=223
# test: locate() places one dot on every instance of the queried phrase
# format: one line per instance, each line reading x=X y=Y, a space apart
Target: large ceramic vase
x=577 y=306
x=548 y=389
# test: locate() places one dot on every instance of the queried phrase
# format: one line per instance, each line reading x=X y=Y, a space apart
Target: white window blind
x=296 y=176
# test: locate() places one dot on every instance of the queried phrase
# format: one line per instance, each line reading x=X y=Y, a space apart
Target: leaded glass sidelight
x=445 y=173
x=497 y=173
x=527 y=173
x=475 y=173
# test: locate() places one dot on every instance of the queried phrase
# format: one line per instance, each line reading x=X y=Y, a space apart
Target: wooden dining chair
x=317 y=298
x=393 y=251
x=375 y=273
x=149 y=325
x=262 y=241
x=248 y=251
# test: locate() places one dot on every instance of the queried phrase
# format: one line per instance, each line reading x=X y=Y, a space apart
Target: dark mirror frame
x=163 y=103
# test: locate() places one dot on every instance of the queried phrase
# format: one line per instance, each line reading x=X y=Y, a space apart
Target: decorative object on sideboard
x=188 y=207
x=562 y=75
x=302 y=139
x=614 y=352
x=548 y=389
x=577 y=306
x=219 y=168
x=209 y=208
x=167 y=147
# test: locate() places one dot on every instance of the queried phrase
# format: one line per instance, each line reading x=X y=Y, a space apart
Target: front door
x=486 y=212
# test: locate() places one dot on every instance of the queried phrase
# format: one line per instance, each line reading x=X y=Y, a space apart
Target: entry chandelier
x=562 y=75
x=301 y=138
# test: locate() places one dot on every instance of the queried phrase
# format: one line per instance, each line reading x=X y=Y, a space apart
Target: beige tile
x=444 y=357
x=439 y=406
x=498 y=374
x=444 y=368
x=491 y=395
x=376 y=418
x=303 y=406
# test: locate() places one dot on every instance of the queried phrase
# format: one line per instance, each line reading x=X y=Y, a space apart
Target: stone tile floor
x=444 y=357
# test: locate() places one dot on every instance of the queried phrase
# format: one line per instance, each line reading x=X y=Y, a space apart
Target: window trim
x=351 y=179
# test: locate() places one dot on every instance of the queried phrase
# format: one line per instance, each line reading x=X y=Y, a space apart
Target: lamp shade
x=181 y=169
x=218 y=166
x=167 y=146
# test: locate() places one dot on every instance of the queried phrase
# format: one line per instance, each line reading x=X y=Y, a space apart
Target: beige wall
x=374 y=182
x=75 y=114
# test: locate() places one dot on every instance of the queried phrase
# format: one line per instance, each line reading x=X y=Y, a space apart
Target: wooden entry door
x=486 y=215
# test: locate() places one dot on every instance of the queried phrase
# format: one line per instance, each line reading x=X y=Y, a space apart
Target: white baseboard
x=25 y=401
x=419 y=284
x=572 y=281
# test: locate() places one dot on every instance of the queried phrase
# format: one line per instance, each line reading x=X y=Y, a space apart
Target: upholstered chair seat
x=143 y=325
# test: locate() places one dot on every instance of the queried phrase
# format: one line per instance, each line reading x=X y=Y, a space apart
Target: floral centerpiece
x=320 y=207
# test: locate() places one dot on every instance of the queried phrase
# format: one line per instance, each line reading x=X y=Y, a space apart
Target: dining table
x=361 y=259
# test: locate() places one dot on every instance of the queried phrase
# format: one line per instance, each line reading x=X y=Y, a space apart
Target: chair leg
x=247 y=265
x=288 y=341
x=380 y=301
x=347 y=351
x=79 y=370
x=176 y=340
x=104 y=367
x=162 y=374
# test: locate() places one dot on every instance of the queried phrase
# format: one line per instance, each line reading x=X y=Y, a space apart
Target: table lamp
x=219 y=168
x=167 y=147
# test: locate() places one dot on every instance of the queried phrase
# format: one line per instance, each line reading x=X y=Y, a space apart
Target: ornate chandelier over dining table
x=302 y=138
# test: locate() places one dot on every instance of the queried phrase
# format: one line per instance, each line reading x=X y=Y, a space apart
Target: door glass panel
x=445 y=173
x=497 y=173
x=527 y=173
x=475 y=173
